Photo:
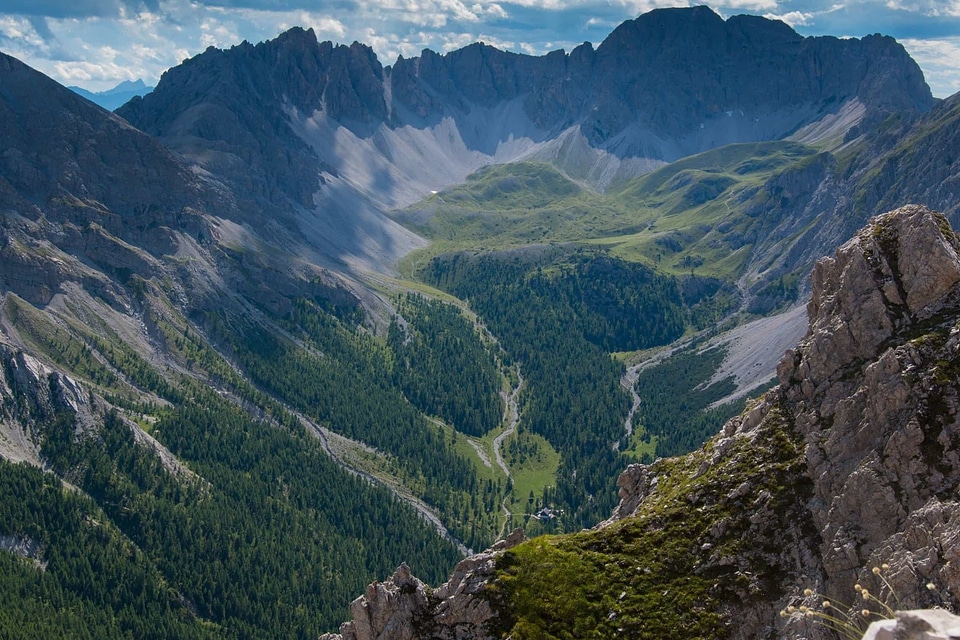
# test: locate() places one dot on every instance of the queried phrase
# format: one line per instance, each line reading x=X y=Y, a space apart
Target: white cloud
x=218 y=34
x=327 y=26
x=940 y=60
x=89 y=73
x=792 y=18
x=426 y=13
x=748 y=5
x=543 y=48
x=643 y=6
x=932 y=8
x=600 y=22
x=494 y=41
x=21 y=32
x=803 y=18
x=382 y=44
x=553 y=5
x=450 y=41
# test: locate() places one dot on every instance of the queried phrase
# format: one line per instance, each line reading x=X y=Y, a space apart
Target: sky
x=96 y=44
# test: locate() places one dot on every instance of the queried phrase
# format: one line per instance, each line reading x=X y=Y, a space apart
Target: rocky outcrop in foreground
x=839 y=486
x=403 y=608
x=927 y=624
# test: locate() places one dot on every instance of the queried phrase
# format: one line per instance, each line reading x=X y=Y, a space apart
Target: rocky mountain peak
x=656 y=28
x=297 y=38
x=896 y=272
x=404 y=608
x=873 y=391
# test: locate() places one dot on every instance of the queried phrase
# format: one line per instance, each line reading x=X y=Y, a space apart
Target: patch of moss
x=670 y=571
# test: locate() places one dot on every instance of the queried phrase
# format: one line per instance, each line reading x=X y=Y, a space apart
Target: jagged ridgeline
x=228 y=424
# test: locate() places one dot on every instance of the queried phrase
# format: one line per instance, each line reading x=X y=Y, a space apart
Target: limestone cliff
x=851 y=463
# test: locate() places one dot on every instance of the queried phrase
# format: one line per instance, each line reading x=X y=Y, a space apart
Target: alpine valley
x=295 y=319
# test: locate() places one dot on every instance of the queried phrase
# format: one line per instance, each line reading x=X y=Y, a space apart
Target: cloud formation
x=98 y=43
x=939 y=59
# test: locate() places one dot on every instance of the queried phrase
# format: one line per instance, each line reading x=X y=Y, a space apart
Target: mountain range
x=293 y=317
x=110 y=99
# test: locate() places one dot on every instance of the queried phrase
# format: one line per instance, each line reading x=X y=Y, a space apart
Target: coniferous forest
x=253 y=530
x=560 y=314
x=270 y=539
x=441 y=366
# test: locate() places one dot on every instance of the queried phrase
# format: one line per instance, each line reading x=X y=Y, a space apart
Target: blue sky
x=99 y=43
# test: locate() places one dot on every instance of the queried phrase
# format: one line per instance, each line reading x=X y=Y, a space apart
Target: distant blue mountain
x=113 y=98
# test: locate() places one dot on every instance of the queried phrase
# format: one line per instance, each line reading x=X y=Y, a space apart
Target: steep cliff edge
x=851 y=463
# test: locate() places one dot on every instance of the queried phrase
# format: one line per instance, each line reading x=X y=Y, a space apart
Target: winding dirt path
x=629 y=382
x=513 y=419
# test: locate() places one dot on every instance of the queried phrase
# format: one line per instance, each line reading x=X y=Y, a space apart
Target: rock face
x=910 y=161
x=86 y=198
x=233 y=99
x=403 y=608
x=874 y=394
x=847 y=473
x=917 y=164
x=33 y=395
x=37 y=393
x=927 y=624
x=81 y=164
